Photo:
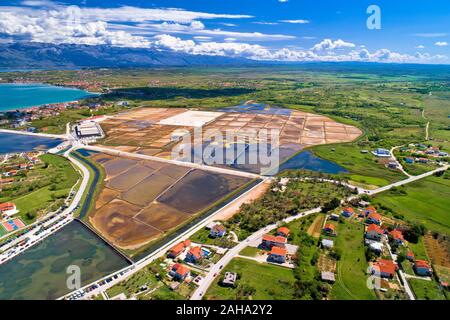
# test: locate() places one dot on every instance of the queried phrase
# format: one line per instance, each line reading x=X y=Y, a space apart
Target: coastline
x=87 y=94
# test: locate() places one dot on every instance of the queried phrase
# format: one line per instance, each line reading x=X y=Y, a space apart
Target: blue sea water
x=12 y=143
x=18 y=96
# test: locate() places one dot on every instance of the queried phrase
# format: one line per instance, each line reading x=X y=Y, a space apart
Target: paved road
x=44 y=135
x=176 y=162
x=207 y=281
x=406 y=181
x=36 y=235
x=215 y=270
x=130 y=270
x=400 y=167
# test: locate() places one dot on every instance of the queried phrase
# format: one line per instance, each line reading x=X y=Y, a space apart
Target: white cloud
x=197 y=28
x=298 y=21
x=328 y=44
x=258 y=52
x=265 y=23
x=441 y=44
x=283 y=1
x=420 y=47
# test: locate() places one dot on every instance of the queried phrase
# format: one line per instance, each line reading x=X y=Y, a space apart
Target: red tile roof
x=7 y=206
x=180 y=269
x=374 y=216
x=278 y=251
x=422 y=264
x=371 y=210
x=396 y=234
x=277 y=239
x=284 y=230
x=196 y=252
x=329 y=226
x=177 y=249
x=349 y=210
x=386 y=266
x=374 y=227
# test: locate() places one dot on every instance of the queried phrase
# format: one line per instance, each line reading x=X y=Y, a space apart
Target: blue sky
x=292 y=30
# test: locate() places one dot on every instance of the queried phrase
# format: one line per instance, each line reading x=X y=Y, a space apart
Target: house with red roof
x=348 y=212
x=374 y=218
x=422 y=268
x=8 y=209
x=194 y=255
x=369 y=210
x=277 y=254
x=283 y=232
x=374 y=232
x=269 y=241
x=410 y=256
x=384 y=268
x=329 y=229
x=177 y=249
x=396 y=236
x=179 y=272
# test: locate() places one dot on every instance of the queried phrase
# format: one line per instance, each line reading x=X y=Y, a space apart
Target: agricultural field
x=276 y=205
x=42 y=189
x=426 y=290
x=425 y=201
x=142 y=201
x=352 y=267
x=257 y=281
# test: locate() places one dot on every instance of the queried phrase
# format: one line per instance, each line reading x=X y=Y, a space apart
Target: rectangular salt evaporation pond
x=40 y=272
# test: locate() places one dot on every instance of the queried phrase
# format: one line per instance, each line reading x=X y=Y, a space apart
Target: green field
x=269 y=282
x=43 y=189
x=427 y=201
x=352 y=268
x=426 y=290
x=363 y=167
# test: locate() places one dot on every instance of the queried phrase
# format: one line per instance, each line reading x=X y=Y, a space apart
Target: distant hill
x=28 y=55
x=42 y=55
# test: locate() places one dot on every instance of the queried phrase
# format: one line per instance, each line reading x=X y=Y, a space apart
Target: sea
x=15 y=96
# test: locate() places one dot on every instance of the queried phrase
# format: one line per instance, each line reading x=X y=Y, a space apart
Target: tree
x=331 y=205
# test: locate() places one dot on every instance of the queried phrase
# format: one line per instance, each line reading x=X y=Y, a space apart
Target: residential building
x=194 y=255
x=369 y=210
x=410 y=256
x=177 y=249
x=179 y=272
x=327 y=244
x=269 y=241
x=409 y=160
x=396 y=236
x=229 y=279
x=277 y=254
x=374 y=218
x=376 y=247
x=334 y=217
x=348 y=212
x=422 y=268
x=328 y=276
x=217 y=231
x=8 y=209
x=329 y=229
x=374 y=232
x=283 y=232
x=384 y=268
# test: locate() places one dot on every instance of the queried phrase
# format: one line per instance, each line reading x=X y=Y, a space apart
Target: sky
x=281 y=30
